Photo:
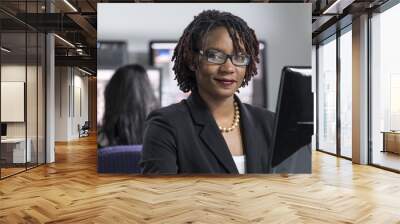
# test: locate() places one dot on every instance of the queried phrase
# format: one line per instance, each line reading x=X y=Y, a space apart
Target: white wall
x=68 y=81
x=286 y=29
x=80 y=84
x=62 y=116
x=14 y=72
x=17 y=73
x=33 y=125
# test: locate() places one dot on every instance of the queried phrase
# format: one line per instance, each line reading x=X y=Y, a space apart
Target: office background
x=358 y=111
x=285 y=29
x=355 y=48
x=22 y=107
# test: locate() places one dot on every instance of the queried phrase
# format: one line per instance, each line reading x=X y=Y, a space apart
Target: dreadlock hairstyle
x=191 y=42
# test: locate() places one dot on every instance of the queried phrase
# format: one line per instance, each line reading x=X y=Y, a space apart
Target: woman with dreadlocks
x=211 y=131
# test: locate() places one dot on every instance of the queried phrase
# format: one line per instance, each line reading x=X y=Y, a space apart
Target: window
x=385 y=88
x=346 y=93
x=22 y=65
x=327 y=96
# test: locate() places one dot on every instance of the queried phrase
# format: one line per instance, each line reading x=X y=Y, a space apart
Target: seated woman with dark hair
x=211 y=131
x=129 y=98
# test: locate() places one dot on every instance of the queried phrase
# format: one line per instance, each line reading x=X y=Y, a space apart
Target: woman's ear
x=191 y=63
x=194 y=65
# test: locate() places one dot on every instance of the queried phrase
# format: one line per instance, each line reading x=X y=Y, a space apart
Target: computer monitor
x=154 y=75
x=160 y=57
x=3 y=129
x=293 y=122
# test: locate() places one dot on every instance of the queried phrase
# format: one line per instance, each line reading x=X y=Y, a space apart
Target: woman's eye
x=241 y=58
x=217 y=55
x=214 y=54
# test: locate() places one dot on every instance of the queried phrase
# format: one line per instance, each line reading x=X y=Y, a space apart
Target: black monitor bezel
x=278 y=109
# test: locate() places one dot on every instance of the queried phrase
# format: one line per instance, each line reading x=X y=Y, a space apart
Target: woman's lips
x=225 y=82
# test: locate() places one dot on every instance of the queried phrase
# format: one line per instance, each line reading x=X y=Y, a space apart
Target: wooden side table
x=391 y=141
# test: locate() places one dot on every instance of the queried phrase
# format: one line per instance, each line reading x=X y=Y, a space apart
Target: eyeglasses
x=218 y=57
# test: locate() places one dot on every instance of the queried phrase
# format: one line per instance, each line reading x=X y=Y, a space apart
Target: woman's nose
x=228 y=66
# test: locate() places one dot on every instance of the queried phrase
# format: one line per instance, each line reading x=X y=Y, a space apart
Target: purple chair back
x=119 y=159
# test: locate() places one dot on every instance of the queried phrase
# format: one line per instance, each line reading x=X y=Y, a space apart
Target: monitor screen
x=161 y=54
x=154 y=75
x=3 y=129
x=294 y=121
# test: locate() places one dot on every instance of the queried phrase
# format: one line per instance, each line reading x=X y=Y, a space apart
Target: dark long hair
x=191 y=42
x=129 y=98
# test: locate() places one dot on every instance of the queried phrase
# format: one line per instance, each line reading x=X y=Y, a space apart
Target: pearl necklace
x=236 y=120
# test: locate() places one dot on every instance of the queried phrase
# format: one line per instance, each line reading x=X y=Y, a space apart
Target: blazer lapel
x=249 y=137
x=210 y=134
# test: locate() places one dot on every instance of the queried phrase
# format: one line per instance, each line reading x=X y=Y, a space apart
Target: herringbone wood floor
x=70 y=191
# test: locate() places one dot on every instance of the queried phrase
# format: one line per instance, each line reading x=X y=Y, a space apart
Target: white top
x=240 y=162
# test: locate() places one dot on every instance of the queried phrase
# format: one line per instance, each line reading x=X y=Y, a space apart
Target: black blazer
x=184 y=138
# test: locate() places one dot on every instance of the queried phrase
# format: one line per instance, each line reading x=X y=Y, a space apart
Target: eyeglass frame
x=230 y=56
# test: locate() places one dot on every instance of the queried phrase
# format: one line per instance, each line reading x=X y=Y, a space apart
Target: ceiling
x=76 y=21
x=75 y=43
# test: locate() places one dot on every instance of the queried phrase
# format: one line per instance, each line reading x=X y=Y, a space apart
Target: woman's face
x=219 y=80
